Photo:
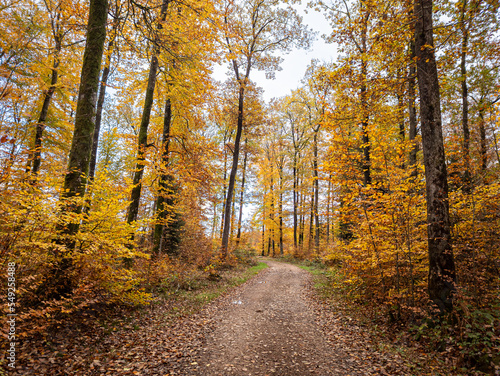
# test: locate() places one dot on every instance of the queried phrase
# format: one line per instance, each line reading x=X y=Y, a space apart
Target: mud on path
x=275 y=325
x=267 y=328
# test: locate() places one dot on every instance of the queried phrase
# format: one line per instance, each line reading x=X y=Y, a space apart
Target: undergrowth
x=464 y=343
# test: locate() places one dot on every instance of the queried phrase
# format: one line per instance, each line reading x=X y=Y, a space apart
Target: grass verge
x=202 y=290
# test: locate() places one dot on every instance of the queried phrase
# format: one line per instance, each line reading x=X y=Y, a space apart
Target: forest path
x=274 y=324
x=268 y=327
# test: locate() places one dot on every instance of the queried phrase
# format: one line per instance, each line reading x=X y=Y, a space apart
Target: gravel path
x=274 y=324
x=267 y=328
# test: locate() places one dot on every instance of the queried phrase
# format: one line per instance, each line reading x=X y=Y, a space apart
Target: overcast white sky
x=295 y=63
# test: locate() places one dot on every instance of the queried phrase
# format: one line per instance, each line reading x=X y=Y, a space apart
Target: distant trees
x=253 y=32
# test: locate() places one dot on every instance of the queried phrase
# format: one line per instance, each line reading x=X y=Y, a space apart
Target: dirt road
x=267 y=328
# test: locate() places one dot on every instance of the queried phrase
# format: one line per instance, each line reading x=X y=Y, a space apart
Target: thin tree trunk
x=100 y=105
x=295 y=203
x=311 y=222
x=214 y=222
x=142 y=141
x=441 y=284
x=271 y=212
x=263 y=237
x=243 y=172
x=233 y=210
x=402 y=135
x=465 y=100
x=234 y=168
x=281 y=209
x=316 y=190
x=224 y=191
x=482 y=135
x=412 y=110
x=35 y=155
x=364 y=104
x=301 y=215
x=164 y=201
x=328 y=199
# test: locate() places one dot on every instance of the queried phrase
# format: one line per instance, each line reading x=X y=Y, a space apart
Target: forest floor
x=274 y=324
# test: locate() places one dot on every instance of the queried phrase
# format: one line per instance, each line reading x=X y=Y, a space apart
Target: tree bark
x=281 y=208
x=441 y=284
x=234 y=168
x=142 y=141
x=295 y=202
x=224 y=187
x=58 y=282
x=164 y=201
x=271 y=212
x=367 y=179
x=465 y=99
x=412 y=111
x=328 y=199
x=35 y=155
x=263 y=224
x=81 y=146
x=316 y=190
x=310 y=239
x=240 y=214
x=100 y=105
x=482 y=135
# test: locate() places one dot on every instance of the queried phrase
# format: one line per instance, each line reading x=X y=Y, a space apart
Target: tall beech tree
x=60 y=20
x=57 y=283
x=142 y=140
x=81 y=146
x=441 y=284
x=104 y=84
x=253 y=32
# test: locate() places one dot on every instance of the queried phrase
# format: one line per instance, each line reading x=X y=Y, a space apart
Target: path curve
x=268 y=328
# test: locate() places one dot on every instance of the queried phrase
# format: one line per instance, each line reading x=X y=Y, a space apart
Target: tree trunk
x=224 y=192
x=214 y=222
x=142 y=141
x=240 y=215
x=58 y=282
x=412 y=110
x=465 y=100
x=482 y=135
x=295 y=203
x=311 y=222
x=441 y=284
x=301 y=215
x=263 y=224
x=165 y=200
x=232 y=175
x=271 y=213
x=316 y=190
x=281 y=208
x=364 y=105
x=263 y=237
x=233 y=211
x=401 y=116
x=100 y=105
x=328 y=199
x=35 y=155
x=81 y=146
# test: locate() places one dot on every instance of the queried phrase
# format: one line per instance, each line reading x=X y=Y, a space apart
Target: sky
x=295 y=63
